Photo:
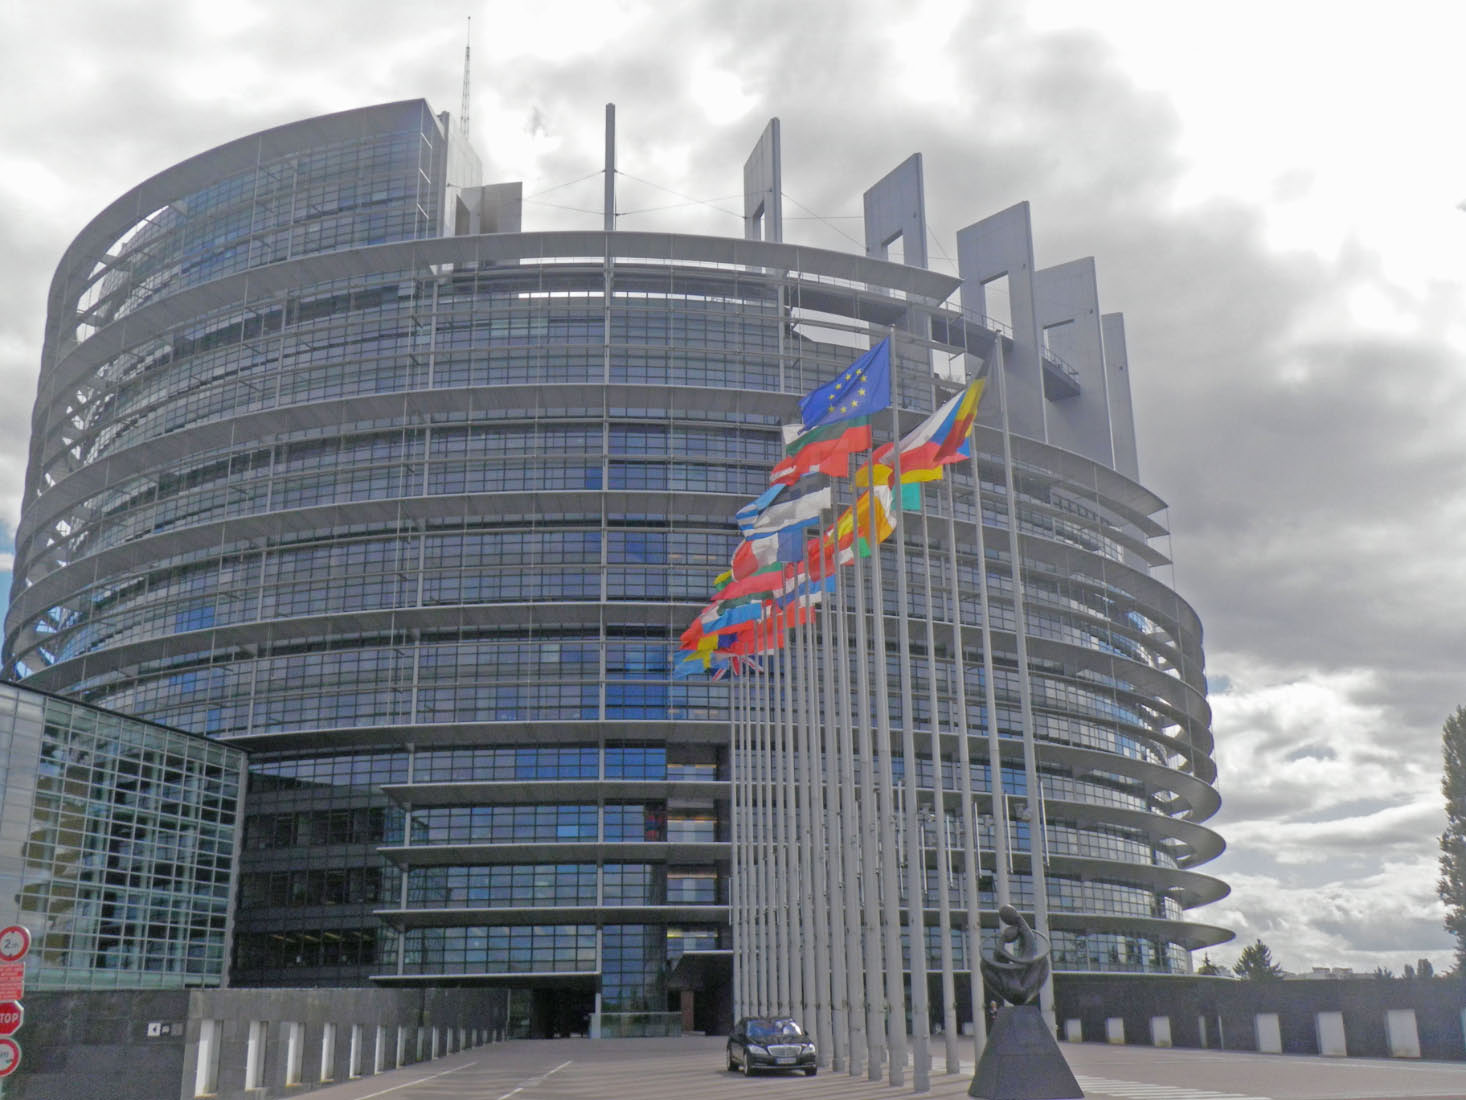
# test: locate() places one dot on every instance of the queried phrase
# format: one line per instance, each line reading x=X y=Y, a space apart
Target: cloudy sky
x=1272 y=198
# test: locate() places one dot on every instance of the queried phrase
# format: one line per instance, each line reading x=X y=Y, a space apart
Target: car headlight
x=807 y=1048
x=755 y=1048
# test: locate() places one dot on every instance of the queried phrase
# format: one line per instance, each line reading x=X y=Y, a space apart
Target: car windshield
x=774 y=1029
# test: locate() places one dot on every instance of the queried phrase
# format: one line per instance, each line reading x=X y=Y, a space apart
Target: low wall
x=233 y=1044
x=1362 y=1017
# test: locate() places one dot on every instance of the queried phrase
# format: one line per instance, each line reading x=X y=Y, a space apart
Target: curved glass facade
x=418 y=518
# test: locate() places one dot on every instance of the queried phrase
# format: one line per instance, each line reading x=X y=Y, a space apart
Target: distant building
x=332 y=460
x=117 y=846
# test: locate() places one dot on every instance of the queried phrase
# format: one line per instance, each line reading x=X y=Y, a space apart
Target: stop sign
x=11 y=1015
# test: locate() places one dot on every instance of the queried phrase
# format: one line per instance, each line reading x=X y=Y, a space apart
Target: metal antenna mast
x=463 y=107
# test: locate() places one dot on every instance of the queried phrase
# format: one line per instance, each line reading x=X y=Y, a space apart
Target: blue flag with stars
x=863 y=388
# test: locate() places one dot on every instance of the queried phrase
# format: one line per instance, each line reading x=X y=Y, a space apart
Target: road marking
x=531 y=1082
x=420 y=1080
x=1139 y=1090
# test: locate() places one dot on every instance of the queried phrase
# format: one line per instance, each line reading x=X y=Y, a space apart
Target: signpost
x=15 y=944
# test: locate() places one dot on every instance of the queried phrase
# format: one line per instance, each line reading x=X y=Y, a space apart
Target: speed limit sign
x=9 y=1056
x=15 y=941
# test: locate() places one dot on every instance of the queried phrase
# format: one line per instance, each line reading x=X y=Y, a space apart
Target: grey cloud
x=1304 y=470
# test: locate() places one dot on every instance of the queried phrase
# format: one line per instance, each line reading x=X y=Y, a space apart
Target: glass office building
x=117 y=845
x=333 y=460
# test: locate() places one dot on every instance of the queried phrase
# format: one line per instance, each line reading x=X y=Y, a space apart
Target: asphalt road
x=694 y=1069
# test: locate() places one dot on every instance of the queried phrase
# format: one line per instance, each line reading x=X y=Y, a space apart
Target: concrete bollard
x=1331 y=1040
x=1269 y=1034
x=1404 y=1038
x=1160 y=1031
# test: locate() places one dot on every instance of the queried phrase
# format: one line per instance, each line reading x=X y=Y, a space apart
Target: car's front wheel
x=747 y=1071
x=732 y=1065
x=811 y=1071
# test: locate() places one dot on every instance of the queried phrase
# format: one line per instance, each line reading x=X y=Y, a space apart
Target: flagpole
x=795 y=855
x=736 y=882
x=814 y=770
x=783 y=873
x=972 y=846
x=877 y=1007
x=735 y=875
x=915 y=857
x=754 y=892
x=1025 y=697
x=773 y=938
x=849 y=832
x=805 y=854
x=830 y=773
x=824 y=960
x=939 y=805
x=890 y=901
x=793 y=976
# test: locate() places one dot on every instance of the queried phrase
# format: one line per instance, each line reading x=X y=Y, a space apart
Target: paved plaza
x=693 y=1069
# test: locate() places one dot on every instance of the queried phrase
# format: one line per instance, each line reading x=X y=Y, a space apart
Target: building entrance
x=557 y=1011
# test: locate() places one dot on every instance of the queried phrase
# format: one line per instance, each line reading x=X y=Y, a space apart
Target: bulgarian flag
x=823 y=450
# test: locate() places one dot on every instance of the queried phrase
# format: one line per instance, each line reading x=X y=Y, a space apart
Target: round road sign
x=15 y=941
x=12 y=1014
x=9 y=1056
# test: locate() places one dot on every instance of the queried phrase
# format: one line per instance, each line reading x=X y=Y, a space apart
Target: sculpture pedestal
x=1022 y=1060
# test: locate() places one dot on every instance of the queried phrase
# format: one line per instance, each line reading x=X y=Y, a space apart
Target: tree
x=1423 y=969
x=1209 y=968
x=1451 y=886
x=1255 y=963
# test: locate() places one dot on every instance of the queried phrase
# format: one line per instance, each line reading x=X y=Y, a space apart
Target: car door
x=738 y=1041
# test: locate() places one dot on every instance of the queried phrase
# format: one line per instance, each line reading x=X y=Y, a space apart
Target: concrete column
x=895 y=208
x=1073 y=1031
x=1115 y=1031
x=763 y=210
x=998 y=246
x=1066 y=298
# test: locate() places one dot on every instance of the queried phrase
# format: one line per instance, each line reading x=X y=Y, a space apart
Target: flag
x=861 y=389
x=937 y=441
x=752 y=555
x=824 y=450
x=749 y=513
x=721 y=617
x=768 y=579
x=807 y=589
x=857 y=519
x=957 y=433
x=800 y=512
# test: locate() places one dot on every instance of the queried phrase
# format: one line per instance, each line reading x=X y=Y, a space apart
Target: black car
x=770 y=1042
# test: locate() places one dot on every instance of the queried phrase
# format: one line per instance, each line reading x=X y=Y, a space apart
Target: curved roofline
x=208 y=167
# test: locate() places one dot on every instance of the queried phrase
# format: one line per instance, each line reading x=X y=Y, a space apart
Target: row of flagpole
x=821 y=830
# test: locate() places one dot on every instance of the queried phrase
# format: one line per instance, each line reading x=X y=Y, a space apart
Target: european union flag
x=862 y=389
